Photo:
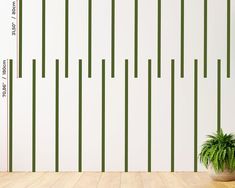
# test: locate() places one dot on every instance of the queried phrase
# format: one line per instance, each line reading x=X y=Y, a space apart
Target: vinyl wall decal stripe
x=80 y=117
x=10 y=114
x=43 y=38
x=136 y=40
x=103 y=119
x=159 y=40
x=34 y=116
x=218 y=94
x=149 y=113
x=66 y=38
x=57 y=117
x=113 y=40
x=89 y=38
x=182 y=41
x=172 y=114
x=205 y=38
x=228 y=36
x=126 y=114
x=20 y=36
x=195 y=112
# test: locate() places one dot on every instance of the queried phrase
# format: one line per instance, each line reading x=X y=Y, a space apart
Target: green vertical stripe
x=205 y=38
x=34 y=116
x=172 y=113
x=126 y=115
x=43 y=38
x=228 y=36
x=103 y=117
x=149 y=113
x=10 y=115
x=66 y=38
x=195 y=111
x=89 y=37
x=57 y=118
x=218 y=94
x=136 y=40
x=182 y=40
x=113 y=40
x=20 y=36
x=80 y=116
x=159 y=40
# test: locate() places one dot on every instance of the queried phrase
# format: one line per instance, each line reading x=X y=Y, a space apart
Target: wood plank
x=88 y=180
x=67 y=179
x=170 y=179
x=10 y=177
x=152 y=180
x=131 y=179
x=110 y=180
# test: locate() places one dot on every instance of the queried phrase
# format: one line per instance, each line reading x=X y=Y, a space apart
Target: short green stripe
x=159 y=40
x=34 y=116
x=20 y=36
x=172 y=113
x=57 y=118
x=182 y=40
x=89 y=37
x=228 y=36
x=218 y=94
x=126 y=115
x=43 y=38
x=80 y=116
x=66 y=38
x=136 y=40
x=113 y=40
x=195 y=112
x=10 y=114
x=103 y=117
x=205 y=38
x=149 y=112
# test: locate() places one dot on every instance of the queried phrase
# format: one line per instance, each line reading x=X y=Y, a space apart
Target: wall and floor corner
x=114 y=85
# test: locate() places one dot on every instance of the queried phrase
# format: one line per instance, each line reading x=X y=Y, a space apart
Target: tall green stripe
x=228 y=36
x=172 y=113
x=205 y=38
x=43 y=38
x=89 y=38
x=126 y=115
x=136 y=40
x=10 y=115
x=66 y=38
x=57 y=118
x=195 y=112
x=149 y=112
x=113 y=40
x=182 y=40
x=20 y=36
x=218 y=94
x=159 y=40
x=34 y=116
x=80 y=117
x=103 y=117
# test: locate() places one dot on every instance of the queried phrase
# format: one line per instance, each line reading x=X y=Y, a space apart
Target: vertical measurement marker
x=103 y=117
x=20 y=37
x=57 y=117
x=80 y=117
x=182 y=40
x=159 y=40
x=149 y=112
x=34 y=116
x=228 y=36
x=10 y=114
x=136 y=40
x=126 y=115
x=205 y=38
x=195 y=112
x=66 y=38
x=43 y=38
x=113 y=40
x=218 y=94
x=89 y=38
x=172 y=113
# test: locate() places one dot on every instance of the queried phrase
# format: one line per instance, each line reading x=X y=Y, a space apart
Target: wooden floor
x=111 y=180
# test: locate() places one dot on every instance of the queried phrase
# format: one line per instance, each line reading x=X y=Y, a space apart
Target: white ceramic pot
x=226 y=175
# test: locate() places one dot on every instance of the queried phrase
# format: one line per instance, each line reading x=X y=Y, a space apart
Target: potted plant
x=218 y=156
